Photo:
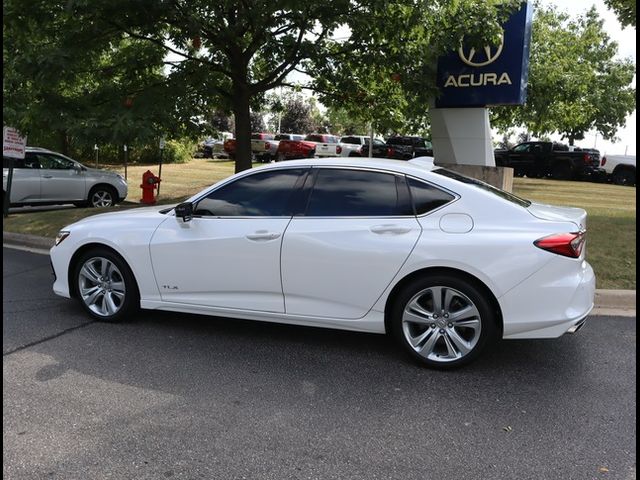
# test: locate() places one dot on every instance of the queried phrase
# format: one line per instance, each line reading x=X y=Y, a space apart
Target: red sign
x=13 y=145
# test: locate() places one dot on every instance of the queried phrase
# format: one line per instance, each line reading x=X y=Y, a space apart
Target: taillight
x=267 y=145
x=566 y=244
x=586 y=158
x=338 y=149
x=390 y=152
x=604 y=160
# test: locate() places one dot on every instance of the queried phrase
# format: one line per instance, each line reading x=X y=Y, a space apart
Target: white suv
x=46 y=177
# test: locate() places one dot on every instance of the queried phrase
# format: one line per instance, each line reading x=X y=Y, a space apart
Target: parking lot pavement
x=182 y=396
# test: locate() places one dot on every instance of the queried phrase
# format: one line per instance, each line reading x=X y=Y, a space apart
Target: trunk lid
x=578 y=216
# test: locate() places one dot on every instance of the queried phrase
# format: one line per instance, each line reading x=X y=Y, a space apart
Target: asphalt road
x=191 y=397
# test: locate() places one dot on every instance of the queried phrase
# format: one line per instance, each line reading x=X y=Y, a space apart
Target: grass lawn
x=611 y=222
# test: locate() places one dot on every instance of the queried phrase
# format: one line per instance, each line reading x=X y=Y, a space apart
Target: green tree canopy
x=625 y=10
x=576 y=83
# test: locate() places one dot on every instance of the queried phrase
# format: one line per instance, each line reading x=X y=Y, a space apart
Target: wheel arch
x=429 y=271
x=73 y=291
x=106 y=186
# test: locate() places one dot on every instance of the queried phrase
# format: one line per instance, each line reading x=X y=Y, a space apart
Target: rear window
x=484 y=186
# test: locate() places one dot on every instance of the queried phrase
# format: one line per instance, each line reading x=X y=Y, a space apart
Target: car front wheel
x=105 y=286
x=102 y=197
x=443 y=321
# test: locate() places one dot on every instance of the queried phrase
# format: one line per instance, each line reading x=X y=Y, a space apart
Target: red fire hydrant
x=149 y=184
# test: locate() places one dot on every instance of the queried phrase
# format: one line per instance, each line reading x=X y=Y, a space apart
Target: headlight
x=62 y=234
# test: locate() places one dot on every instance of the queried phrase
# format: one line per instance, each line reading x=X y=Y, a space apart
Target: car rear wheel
x=624 y=176
x=562 y=171
x=102 y=196
x=443 y=321
x=105 y=286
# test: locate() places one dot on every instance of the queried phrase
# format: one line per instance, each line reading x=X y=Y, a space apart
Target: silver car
x=46 y=177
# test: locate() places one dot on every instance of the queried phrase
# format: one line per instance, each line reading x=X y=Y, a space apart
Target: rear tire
x=624 y=176
x=562 y=171
x=443 y=321
x=105 y=285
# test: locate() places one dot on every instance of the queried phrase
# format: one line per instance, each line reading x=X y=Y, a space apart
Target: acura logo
x=474 y=58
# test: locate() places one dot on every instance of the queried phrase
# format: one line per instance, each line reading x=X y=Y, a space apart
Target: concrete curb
x=607 y=302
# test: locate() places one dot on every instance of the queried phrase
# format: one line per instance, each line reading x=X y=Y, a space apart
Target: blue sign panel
x=493 y=75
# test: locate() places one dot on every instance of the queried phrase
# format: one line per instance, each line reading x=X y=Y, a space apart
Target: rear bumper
x=550 y=303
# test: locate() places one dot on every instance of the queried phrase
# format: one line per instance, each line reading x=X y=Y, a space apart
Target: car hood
x=578 y=216
x=143 y=214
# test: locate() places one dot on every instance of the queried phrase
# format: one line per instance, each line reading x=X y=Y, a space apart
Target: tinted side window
x=354 y=193
x=53 y=162
x=350 y=140
x=30 y=161
x=314 y=138
x=427 y=197
x=522 y=148
x=264 y=194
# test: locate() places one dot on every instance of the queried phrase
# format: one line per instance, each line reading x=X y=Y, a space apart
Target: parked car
x=548 y=159
x=315 y=144
x=214 y=147
x=406 y=147
x=445 y=263
x=263 y=147
x=620 y=169
x=358 y=146
x=44 y=177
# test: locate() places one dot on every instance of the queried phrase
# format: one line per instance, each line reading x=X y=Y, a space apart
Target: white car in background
x=44 y=177
x=621 y=169
x=445 y=263
x=358 y=146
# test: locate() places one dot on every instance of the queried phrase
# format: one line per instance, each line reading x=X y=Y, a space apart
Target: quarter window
x=427 y=197
x=356 y=193
x=265 y=194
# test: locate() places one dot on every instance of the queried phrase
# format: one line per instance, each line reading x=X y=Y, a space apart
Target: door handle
x=263 y=236
x=47 y=176
x=390 y=229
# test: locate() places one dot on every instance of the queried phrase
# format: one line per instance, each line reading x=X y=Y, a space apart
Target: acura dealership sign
x=490 y=75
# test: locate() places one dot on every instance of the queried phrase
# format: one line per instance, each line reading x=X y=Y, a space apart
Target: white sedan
x=445 y=263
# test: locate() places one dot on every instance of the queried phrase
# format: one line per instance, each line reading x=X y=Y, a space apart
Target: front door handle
x=263 y=236
x=390 y=229
x=47 y=176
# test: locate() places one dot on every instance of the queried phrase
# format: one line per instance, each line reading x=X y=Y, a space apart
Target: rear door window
x=427 y=197
x=358 y=193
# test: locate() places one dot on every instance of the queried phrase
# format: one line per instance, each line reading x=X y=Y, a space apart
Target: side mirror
x=78 y=168
x=184 y=211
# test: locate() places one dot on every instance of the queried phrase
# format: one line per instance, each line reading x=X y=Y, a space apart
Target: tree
x=625 y=10
x=575 y=82
x=231 y=53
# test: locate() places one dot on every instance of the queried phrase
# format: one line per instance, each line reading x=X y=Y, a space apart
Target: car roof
x=415 y=166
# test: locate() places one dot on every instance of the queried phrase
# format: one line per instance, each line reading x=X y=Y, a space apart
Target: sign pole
x=126 y=157
x=13 y=146
x=95 y=147
x=162 y=143
x=6 y=200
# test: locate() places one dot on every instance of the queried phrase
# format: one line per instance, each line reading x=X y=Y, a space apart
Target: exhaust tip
x=577 y=326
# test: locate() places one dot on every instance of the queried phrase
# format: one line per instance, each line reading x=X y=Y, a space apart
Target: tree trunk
x=243 y=127
x=65 y=144
x=571 y=141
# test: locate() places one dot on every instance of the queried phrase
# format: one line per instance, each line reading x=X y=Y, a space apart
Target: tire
x=562 y=171
x=624 y=176
x=280 y=157
x=105 y=285
x=446 y=337
x=102 y=196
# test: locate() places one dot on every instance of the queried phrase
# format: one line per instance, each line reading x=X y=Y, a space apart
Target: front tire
x=102 y=196
x=443 y=321
x=105 y=286
x=624 y=176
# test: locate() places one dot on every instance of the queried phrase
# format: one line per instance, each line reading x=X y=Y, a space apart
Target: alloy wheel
x=101 y=286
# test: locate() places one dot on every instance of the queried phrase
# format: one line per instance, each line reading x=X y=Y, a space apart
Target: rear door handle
x=263 y=236
x=47 y=176
x=390 y=229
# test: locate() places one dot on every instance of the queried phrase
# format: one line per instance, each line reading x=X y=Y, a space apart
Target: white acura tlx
x=445 y=263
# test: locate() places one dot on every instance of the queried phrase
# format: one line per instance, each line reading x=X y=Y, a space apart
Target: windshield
x=484 y=186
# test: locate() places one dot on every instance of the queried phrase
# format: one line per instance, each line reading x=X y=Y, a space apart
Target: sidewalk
x=607 y=302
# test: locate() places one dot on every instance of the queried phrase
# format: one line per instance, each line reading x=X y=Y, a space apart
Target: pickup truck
x=620 y=169
x=406 y=147
x=548 y=159
x=313 y=145
x=263 y=147
x=358 y=146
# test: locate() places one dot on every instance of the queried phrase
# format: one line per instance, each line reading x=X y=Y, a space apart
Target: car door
x=341 y=254
x=228 y=255
x=61 y=179
x=521 y=157
x=25 y=183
